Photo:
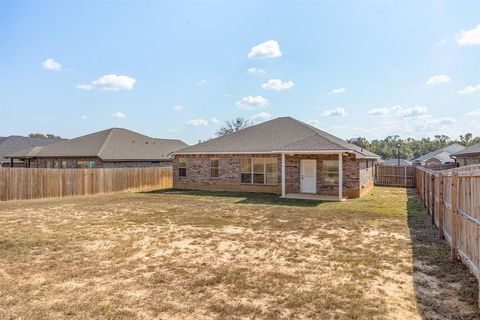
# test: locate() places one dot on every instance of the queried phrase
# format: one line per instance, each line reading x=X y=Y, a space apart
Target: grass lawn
x=194 y=255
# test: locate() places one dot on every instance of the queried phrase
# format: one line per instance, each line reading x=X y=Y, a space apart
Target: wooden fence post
x=453 y=232
x=441 y=207
x=432 y=206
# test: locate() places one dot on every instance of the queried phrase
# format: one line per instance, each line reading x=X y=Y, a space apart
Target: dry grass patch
x=200 y=255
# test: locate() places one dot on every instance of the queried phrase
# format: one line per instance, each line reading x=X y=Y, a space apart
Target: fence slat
x=32 y=183
x=458 y=209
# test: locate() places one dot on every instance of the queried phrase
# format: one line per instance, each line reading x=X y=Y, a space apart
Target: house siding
x=356 y=181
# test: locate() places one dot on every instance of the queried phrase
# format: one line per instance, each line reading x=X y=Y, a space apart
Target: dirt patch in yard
x=194 y=255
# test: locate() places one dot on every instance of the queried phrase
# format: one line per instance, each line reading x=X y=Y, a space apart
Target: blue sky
x=180 y=69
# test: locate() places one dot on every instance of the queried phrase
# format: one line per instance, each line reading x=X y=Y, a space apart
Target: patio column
x=283 y=174
x=340 y=177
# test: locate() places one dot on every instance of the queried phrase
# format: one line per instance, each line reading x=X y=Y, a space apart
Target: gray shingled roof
x=109 y=145
x=473 y=149
x=13 y=144
x=277 y=135
x=453 y=148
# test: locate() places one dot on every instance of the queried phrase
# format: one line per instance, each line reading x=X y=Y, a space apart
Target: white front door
x=308 y=176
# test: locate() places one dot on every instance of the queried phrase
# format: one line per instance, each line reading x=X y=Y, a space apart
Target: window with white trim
x=259 y=170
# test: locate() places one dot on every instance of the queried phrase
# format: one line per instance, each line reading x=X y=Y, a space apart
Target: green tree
x=233 y=126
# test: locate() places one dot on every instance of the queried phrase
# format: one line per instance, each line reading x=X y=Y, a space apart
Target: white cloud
x=51 y=65
x=474 y=113
x=215 y=120
x=413 y=112
x=337 y=112
x=469 y=37
x=268 y=49
x=110 y=82
x=120 y=115
x=252 y=102
x=261 y=117
x=337 y=91
x=198 y=122
x=178 y=108
x=256 y=70
x=443 y=78
x=277 y=84
x=84 y=117
x=469 y=90
x=399 y=111
x=379 y=112
x=226 y=95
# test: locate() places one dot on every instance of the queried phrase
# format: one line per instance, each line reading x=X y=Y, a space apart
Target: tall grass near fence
x=452 y=198
x=33 y=183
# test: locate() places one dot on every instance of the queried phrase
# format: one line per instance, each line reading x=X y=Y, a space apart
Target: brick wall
x=367 y=175
x=71 y=163
x=229 y=173
x=468 y=160
x=355 y=180
x=350 y=174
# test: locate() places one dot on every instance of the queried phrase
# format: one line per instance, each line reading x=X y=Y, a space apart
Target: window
x=64 y=164
x=259 y=170
x=246 y=170
x=214 y=168
x=182 y=167
x=330 y=172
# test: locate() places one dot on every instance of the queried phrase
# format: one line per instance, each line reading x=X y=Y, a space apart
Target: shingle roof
x=453 y=148
x=469 y=150
x=109 y=145
x=277 y=135
x=13 y=144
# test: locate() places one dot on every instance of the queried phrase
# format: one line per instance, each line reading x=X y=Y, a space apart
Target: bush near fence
x=452 y=198
x=33 y=183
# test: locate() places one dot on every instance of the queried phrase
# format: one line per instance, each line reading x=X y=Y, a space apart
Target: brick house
x=469 y=155
x=283 y=156
x=439 y=156
x=12 y=144
x=112 y=148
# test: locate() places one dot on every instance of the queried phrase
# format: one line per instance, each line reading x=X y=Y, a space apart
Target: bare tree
x=234 y=125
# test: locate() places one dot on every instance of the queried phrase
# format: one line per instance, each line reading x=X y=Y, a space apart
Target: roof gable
x=280 y=134
x=450 y=149
x=109 y=145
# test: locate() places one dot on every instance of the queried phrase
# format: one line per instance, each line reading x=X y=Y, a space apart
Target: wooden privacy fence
x=395 y=176
x=452 y=198
x=32 y=183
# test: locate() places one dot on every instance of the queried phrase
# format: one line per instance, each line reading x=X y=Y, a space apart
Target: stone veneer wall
x=467 y=160
x=355 y=181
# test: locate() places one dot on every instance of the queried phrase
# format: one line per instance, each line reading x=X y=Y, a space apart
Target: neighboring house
x=13 y=144
x=440 y=156
x=469 y=155
x=112 y=148
x=283 y=156
x=394 y=162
